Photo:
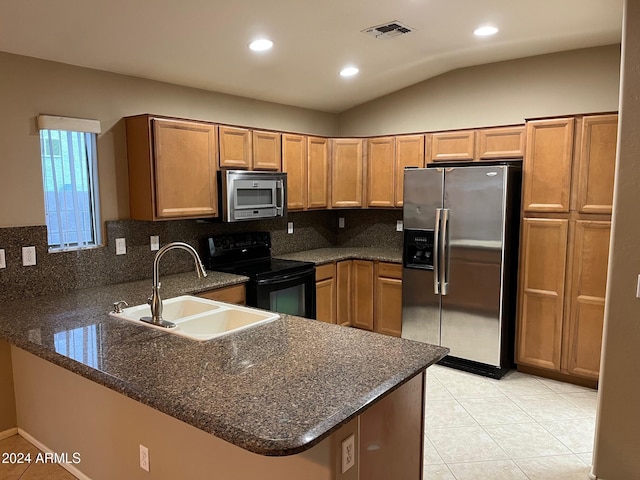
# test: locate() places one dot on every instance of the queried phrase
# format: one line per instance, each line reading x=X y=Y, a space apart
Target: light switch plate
x=121 y=246
x=28 y=256
x=399 y=226
x=289 y=227
x=155 y=243
x=340 y=222
x=3 y=262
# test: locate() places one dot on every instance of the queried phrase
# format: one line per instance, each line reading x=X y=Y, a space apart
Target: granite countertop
x=276 y=389
x=333 y=254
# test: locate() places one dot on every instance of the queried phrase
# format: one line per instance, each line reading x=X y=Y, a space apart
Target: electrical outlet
x=3 y=262
x=144 y=458
x=340 y=222
x=28 y=256
x=637 y=288
x=348 y=453
x=155 y=243
x=290 y=227
x=121 y=246
x=399 y=226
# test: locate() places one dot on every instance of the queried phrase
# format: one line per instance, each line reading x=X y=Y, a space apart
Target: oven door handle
x=285 y=278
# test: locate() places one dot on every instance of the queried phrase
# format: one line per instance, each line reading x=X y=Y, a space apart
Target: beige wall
x=578 y=81
x=7 y=398
x=617 y=446
x=30 y=87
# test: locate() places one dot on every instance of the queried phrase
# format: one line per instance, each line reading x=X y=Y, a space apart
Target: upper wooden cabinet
x=500 y=142
x=381 y=172
x=318 y=172
x=294 y=163
x=267 y=153
x=409 y=153
x=452 y=146
x=347 y=172
x=597 y=159
x=547 y=165
x=172 y=168
x=235 y=148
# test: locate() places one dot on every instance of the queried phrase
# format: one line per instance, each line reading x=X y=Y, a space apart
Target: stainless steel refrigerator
x=461 y=226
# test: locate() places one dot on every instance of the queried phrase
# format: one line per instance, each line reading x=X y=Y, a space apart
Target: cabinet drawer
x=325 y=271
x=390 y=270
x=234 y=294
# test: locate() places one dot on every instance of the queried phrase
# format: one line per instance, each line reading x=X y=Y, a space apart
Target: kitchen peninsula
x=274 y=401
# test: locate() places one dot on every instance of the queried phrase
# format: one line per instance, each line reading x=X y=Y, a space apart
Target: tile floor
x=28 y=471
x=521 y=427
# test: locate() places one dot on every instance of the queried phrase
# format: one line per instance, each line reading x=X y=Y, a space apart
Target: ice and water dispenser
x=418 y=249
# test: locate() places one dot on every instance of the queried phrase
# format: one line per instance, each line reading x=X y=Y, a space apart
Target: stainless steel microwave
x=250 y=195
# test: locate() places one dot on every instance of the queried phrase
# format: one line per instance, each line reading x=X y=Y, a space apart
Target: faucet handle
x=118 y=306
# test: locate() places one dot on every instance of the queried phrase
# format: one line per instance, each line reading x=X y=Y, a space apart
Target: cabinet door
x=541 y=292
x=502 y=142
x=587 y=289
x=235 y=294
x=447 y=146
x=267 y=154
x=343 y=292
x=597 y=163
x=388 y=301
x=294 y=163
x=326 y=300
x=409 y=153
x=380 y=172
x=347 y=174
x=185 y=169
x=547 y=165
x=318 y=166
x=362 y=294
x=235 y=148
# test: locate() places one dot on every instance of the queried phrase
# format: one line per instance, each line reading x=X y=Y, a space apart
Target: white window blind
x=70 y=180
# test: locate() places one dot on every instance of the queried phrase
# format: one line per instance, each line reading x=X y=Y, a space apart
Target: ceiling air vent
x=388 y=30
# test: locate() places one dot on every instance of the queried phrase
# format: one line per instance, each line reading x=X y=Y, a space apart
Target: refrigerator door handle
x=436 y=253
x=444 y=253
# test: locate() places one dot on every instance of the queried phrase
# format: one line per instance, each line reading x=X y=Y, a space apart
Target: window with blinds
x=70 y=181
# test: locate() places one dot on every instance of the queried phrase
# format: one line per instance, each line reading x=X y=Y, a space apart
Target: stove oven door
x=294 y=294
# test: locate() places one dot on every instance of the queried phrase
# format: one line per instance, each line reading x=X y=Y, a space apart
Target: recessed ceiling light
x=349 y=71
x=485 y=31
x=261 y=45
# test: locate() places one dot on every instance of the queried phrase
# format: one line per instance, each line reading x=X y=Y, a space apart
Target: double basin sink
x=200 y=318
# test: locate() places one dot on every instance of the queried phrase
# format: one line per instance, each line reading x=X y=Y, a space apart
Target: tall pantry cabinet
x=567 y=198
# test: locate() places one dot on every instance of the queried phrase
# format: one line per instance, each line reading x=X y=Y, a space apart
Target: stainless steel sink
x=200 y=318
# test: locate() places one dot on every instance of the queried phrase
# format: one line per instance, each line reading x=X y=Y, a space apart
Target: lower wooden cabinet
x=583 y=334
x=235 y=294
x=326 y=293
x=362 y=294
x=344 y=291
x=561 y=295
x=388 y=299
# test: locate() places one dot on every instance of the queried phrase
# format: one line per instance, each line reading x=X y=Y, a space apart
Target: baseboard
x=9 y=433
x=69 y=468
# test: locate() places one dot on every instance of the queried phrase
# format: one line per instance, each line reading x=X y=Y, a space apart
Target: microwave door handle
x=445 y=251
x=279 y=195
x=436 y=261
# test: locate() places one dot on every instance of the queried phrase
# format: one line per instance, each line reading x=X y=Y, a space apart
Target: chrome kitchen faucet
x=154 y=300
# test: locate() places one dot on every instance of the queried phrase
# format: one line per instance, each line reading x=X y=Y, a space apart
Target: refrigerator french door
x=460 y=253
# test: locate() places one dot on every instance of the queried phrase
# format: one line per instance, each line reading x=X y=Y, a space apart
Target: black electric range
x=284 y=286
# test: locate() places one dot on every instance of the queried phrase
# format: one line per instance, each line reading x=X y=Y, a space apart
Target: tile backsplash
x=64 y=271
